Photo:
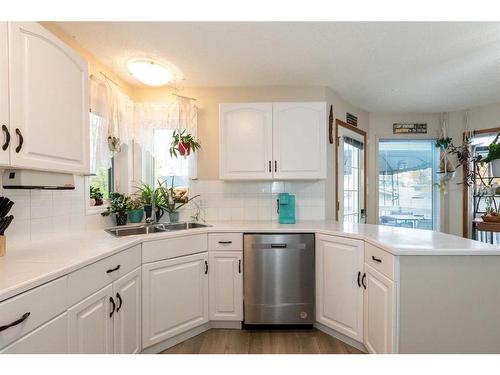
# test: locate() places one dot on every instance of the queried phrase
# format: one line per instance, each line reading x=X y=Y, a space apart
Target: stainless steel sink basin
x=151 y=228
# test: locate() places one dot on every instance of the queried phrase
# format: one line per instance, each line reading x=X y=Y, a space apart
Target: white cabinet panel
x=226 y=285
x=339 y=293
x=50 y=338
x=299 y=140
x=379 y=312
x=175 y=297
x=4 y=94
x=91 y=324
x=245 y=141
x=127 y=317
x=49 y=107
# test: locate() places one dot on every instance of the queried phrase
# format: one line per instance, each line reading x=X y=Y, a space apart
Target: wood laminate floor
x=234 y=341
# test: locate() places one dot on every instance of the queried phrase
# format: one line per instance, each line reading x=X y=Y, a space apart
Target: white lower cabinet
x=91 y=324
x=109 y=321
x=339 y=292
x=50 y=338
x=379 y=312
x=174 y=298
x=226 y=285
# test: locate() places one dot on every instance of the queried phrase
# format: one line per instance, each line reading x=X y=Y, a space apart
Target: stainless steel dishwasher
x=278 y=278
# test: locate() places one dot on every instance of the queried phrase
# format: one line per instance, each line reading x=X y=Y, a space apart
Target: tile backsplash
x=45 y=214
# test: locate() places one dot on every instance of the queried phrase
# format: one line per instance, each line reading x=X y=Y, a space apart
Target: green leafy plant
x=135 y=203
x=443 y=143
x=145 y=192
x=119 y=204
x=172 y=200
x=95 y=193
x=493 y=150
x=183 y=143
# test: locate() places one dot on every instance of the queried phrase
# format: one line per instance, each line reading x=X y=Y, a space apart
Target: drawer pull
x=18 y=321
x=225 y=242
x=376 y=259
x=113 y=269
x=278 y=246
x=363 y=280
x=120 y=301
x=113 y=306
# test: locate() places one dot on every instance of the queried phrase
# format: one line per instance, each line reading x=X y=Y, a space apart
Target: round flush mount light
x=149 y=72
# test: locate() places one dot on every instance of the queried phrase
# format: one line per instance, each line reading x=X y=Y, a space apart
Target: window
x=408 y=195
x=101 y=161
x=165 y=167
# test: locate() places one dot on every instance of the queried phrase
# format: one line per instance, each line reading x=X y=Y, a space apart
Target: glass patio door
x=408 y=195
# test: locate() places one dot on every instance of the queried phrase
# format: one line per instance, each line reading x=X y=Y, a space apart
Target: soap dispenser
x=286 y=208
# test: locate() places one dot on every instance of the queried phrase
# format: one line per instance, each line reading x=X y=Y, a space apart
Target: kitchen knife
x=5 y=223
x=3 y=202
x=6 y=209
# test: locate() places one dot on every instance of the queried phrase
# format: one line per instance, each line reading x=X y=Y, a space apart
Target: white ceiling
x=379 y=67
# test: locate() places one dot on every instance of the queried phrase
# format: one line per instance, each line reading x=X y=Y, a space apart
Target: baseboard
x=225 y=324
x=341 y=337
x=161 y=346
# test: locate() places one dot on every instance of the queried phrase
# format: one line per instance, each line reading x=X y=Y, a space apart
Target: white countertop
x=28 y=266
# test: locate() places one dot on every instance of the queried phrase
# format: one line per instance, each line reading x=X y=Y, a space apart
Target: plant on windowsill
x=173 y=199
x=493 y=157
x=119 y=205
x=183 y=143
x=96 y=196
x=135 y=209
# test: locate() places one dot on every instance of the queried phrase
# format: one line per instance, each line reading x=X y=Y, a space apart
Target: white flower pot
x=495 y=167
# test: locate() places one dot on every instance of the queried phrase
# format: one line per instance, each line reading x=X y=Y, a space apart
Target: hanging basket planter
x=183 y=143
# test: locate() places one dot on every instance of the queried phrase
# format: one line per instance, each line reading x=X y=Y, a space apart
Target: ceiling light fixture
x=149 y=72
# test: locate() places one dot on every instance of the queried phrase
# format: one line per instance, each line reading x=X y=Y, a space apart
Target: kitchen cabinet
x=91 y=324
x=48 y=110
x=175 y=297
x=246 y=136
x=127 y=318
x=299 y=141
x=339 y=291
x=226 y=285
x=379 y=312
x=265 y=141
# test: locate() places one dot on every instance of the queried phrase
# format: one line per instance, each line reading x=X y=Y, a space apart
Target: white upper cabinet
x=299 y=140
x=339 y=288
x=49 y=109
x=263 y=141
x=246 y=137
x=4 y=95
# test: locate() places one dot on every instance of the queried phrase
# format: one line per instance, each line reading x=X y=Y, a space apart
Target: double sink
x=152 y=228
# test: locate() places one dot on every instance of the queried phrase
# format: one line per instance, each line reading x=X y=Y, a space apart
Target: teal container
x=286 y=207
x=135 y=216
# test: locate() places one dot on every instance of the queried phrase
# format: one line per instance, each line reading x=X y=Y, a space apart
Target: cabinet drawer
x=173 y=247
x=225 y=241
x=381 y=260
x=95 y=276
x=42 y=304
x=51 y=338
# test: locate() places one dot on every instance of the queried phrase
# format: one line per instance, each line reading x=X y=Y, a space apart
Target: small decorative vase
x=147 y=210
x=173 y=217
x=135 y=216
x=121 y=218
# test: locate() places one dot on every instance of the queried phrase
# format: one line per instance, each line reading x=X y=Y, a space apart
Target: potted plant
x=493 y=157
x=96 y=196
x=119 y=205
x=135 y=209
x=173 y=199
x=183 y=143
x=145 y=192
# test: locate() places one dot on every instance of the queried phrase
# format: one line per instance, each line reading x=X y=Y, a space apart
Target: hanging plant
x=114 y=144
x=183 y=143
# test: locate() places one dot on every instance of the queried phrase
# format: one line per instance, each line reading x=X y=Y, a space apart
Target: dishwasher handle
x=278 y=246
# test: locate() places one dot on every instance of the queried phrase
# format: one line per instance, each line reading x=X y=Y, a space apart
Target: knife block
x=2 y=246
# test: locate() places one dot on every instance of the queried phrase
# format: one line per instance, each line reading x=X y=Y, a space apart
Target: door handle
x=7 y=137
x=278 y=245
x=120 y=302
x=275 y=166
x=376 y=259
x=359 y=276
x=239 y=265
x=206 y=267
x=21 y=140
x=270 y=166
x=16 y=322
x=363 y=280
x=113 y=306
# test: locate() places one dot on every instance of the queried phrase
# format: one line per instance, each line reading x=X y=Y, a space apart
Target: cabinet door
x=245 y=139
x=339 y=293
x=4 y=94
x=299 y=140
x=91 y=324
x=379 y=312
x=50 y=338
x=226 y=285
x=174 y=297
x=48 y=101
x=127 y=318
